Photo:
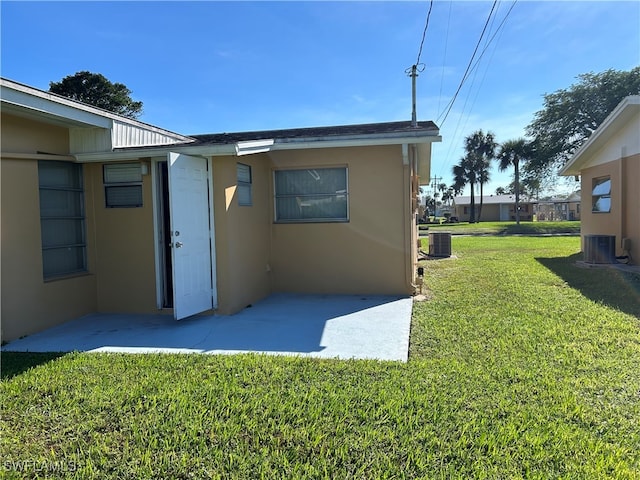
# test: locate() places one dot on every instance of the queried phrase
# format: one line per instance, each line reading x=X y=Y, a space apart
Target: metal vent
x=599 y=248
x=439 y=244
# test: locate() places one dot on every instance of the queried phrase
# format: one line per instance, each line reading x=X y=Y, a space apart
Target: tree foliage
x=96 y=90
x=474 y=167
x=511 y=153
x=570 y=116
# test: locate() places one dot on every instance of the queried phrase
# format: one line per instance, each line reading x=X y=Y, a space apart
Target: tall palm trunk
x=472 y=215
x=516 y=174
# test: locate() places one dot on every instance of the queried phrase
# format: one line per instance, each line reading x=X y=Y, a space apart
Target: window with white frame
x=245 y=196
x=311 y=195
x=62 y=219
x=122 y=185
x=601 y=195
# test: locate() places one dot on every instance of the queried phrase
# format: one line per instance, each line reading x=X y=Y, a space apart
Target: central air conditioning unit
x=439 y=244
x=600 y=249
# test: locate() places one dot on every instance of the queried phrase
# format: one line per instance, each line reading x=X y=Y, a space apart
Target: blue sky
x=208 y=67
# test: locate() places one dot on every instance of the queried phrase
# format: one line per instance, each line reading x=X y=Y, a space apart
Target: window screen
x=61 y=218
x=311 y=195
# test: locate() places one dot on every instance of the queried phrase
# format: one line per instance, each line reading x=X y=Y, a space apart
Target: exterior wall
x=30 y=304
x=242 y=234
x=623 y=220
x=631 y=174
x=20 y=135
x=369 y=254
x=124 y=239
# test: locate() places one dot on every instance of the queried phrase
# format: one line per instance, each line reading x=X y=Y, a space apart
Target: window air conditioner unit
x=439 y=244
x=599 y=248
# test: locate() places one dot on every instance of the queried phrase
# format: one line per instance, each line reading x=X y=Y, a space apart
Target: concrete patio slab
x=323 y=326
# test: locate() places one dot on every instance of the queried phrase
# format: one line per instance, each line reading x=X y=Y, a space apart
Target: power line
x=466 y=73
x=498 y=30
x=424 y=32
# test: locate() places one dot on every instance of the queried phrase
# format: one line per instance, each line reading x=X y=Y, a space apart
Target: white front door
x=190 y=235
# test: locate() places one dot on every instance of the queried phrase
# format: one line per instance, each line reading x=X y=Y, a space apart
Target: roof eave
x=231 y=149
x=623 y=110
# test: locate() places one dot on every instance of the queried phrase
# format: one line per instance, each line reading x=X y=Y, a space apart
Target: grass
x=518 y=369
x=506 y=228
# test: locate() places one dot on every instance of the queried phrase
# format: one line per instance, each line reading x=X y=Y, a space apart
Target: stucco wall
x=368 y=254
x=30 y=304
x=124 y=239
x=623 y=220
x=632 y=212
x=242 y=234
x=20 y=135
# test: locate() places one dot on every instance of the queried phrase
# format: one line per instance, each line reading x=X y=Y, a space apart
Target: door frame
x=159 y=219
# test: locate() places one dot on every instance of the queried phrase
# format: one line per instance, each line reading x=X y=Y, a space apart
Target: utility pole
x=413 y=73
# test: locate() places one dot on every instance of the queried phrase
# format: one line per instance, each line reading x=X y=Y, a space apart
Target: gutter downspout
x=409 y=161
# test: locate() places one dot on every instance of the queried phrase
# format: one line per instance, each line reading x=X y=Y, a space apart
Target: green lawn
x=505 y=228
x=522 y=365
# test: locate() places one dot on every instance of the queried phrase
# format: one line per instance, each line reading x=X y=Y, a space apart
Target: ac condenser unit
x=439 y=244
x=600 y=248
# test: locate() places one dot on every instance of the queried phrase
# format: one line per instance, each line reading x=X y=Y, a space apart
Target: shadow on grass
x=15 y=363
x=609 y=286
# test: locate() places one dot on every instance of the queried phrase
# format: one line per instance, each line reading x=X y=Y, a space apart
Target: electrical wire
x=466 y=73
x=498 y=30
x=424 y=32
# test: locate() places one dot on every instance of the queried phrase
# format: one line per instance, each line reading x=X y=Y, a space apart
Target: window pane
x=602 y=186
x=312 y=208
x=60 y=203
x=61 y=261
x=122 y=173
x=61 y=218
x=311 y=195
x=123 y=196
x=310 y=182
x=62 y=231
x=244 y=195
x=602 y=204
x=59 y=175
x=244 y=173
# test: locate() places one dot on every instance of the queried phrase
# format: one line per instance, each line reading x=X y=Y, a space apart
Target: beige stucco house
x=495 y=208
x=609 y=166
x=102 y=213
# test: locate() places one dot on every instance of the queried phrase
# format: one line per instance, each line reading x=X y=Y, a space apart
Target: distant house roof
x=620 y=118
x=492 y=200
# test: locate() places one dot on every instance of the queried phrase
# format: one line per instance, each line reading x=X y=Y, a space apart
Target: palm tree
x=481 y=148
x=511 y=153
x=465 y=174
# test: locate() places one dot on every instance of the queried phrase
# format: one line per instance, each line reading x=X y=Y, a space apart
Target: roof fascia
x=232 y=148
x=52 y=105
x=46 y=107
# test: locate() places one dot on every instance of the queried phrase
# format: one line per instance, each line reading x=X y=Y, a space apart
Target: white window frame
x=300 y=197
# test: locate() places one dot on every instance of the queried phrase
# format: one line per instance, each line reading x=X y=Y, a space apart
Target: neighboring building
x=495 y=208
x=560 y=208
x=609 y=166
x=101 y=213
